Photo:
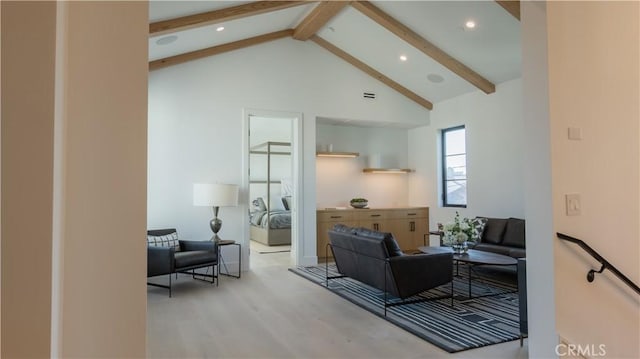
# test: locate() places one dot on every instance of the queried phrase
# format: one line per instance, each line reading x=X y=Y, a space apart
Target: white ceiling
x=492 y=49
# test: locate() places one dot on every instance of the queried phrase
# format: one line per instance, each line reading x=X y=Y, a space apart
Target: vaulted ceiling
x=422 y=49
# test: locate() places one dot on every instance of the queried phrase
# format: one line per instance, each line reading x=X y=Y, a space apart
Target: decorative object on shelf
x=387 y=170
x=337 y=154
x=359 y=202
x=216 y=196
x=459 y=234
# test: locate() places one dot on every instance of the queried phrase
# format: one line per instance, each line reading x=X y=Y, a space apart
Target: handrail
x=605 y=264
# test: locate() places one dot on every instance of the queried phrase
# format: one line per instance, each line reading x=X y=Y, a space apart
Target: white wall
x=594 y=85
x=195 y=124
x=494 y=128
x=340 y=179
x=537 y=182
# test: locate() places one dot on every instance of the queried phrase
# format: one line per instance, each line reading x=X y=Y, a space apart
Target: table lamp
x=215 y=195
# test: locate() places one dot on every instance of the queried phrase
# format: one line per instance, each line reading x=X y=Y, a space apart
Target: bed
x=272 y=228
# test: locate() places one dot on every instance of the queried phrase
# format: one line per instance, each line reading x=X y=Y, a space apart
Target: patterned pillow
x=258 y=205
x=477 y=226
x=286 y=202
x=169 y=240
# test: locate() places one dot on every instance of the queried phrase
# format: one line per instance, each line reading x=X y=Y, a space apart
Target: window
x=454 y=167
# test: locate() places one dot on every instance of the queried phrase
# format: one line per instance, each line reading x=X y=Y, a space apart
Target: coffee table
x=475 y=258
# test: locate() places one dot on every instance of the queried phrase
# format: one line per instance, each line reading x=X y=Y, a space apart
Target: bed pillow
x=258 y=205
x=286 y=202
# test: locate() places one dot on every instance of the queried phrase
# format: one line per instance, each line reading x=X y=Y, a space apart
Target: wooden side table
x=222 y=243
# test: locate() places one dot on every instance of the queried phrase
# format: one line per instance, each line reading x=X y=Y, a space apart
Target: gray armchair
x=166 y=255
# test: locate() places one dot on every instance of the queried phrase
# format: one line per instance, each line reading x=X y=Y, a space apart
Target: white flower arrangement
x=458 y=232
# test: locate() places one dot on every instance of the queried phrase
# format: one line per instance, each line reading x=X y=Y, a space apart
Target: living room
x=107 y=202
x=276 y=76
x=180 y=144
x=183 y=123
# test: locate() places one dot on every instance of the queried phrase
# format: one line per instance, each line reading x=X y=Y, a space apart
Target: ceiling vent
x=370 y=95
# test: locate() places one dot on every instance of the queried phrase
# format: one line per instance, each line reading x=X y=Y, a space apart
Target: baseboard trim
x=309 y=261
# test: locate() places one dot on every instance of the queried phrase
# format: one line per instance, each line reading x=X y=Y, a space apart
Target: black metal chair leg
x=326 y=264
x=386 y=263
x=170 y=285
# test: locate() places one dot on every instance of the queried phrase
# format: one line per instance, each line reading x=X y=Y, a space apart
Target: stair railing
x=605 y=263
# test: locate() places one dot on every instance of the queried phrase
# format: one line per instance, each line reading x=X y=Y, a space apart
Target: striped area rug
x=471 y=323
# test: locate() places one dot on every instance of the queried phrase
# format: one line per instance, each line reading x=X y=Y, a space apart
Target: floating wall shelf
x=387 y=170
x=337 y=154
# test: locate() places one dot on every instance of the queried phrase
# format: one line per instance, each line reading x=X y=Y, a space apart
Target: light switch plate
x=575 y=133
x=573 y=204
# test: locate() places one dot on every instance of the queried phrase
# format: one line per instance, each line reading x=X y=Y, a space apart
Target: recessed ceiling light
x=470 y=24
x=435 y=78
x=166 y=40
x=219 y=28
x=403 y=58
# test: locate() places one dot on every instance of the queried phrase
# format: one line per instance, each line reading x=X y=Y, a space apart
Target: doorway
x=271 y=183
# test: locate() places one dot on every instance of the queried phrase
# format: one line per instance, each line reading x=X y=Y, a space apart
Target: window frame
x=443 y=160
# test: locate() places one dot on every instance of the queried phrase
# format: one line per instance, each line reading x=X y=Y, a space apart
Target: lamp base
x=215 y=238
x=215 y=224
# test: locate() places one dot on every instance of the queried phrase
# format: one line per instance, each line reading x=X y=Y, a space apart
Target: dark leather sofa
x=190 y=256
x=374 y=258
x=503 y=236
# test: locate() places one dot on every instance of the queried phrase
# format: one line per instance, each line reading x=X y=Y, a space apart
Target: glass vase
x=465 y=247
x=457 y=248
x=460 y=248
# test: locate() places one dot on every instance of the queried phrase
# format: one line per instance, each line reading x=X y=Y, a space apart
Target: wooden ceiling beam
x=320 y=15
x=215 y=50
x=420 y=43
x=371 y=72
x=217 y=16
x=511 y=6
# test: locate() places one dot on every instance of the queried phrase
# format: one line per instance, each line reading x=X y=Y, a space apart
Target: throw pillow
x=493 y=230
x=258 y=205
x=286 y=202
x=169 y=240
x=514 y=234
x=477 y=228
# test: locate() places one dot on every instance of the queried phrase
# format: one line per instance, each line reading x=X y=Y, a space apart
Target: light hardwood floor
x=273 y=313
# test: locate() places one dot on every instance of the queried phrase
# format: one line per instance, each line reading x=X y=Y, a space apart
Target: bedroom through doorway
x=270 y=190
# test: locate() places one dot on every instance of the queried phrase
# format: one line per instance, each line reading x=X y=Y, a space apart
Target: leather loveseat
x=374 y=258
x=503 y=236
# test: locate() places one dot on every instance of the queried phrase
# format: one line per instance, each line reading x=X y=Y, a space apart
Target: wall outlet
x=573 y=204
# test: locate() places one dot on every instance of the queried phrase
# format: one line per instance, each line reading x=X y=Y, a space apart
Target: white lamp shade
x=215 y=195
